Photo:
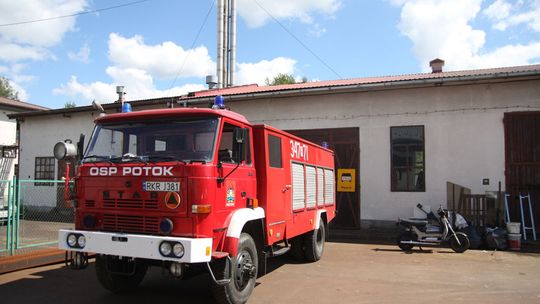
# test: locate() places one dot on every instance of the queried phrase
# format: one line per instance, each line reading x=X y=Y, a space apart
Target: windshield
x=186 y=140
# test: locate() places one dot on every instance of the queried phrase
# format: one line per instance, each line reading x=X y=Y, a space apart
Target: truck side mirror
x=239 y=144
x=80 y=147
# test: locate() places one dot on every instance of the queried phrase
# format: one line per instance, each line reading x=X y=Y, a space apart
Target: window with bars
x=407 y=159
x=44 y=170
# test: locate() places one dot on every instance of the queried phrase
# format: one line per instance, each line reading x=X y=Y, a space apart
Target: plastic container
x=513 y=228
x=514 y=241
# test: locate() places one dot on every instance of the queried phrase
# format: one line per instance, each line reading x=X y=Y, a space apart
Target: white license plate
x=161 y=186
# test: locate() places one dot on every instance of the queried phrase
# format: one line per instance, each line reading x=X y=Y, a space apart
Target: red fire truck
x=195 y=188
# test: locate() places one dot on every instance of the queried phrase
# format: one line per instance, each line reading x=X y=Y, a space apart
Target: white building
x=9 y=140
x=405 y=136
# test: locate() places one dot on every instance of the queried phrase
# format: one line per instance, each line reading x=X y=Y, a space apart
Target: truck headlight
x=72 y=240
x=178 y=250
x=81 y=241
x=165 y=248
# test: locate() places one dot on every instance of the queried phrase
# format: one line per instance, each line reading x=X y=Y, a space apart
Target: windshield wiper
x=98 y=158
x=163 y=158
x=129 y=157
x=191 y=161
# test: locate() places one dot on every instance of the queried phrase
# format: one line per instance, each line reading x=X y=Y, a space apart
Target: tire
x=297 y=251
x=405 y=236
x=314 y=243
x=118 y=282
x=463 y=239
x=244 y=273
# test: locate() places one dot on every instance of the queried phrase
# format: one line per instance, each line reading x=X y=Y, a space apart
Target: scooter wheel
x=405 y=236
x=463 y=243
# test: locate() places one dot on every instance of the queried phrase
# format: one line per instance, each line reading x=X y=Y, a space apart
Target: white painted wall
x=8 y=131
x=464 y=142
x=464 y=135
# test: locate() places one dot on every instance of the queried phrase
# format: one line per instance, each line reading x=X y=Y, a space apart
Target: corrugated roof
x=254 y=88
x=20 y=104
x=366 y=83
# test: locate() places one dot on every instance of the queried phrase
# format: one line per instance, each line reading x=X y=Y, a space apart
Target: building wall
x=8 y=131
x=464 y=135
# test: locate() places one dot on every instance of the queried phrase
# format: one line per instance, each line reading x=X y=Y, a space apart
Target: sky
x=159 y=48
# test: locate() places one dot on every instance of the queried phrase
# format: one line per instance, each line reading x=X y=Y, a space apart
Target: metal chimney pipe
x=220 y=37
x=225 y=76
x=232 y=64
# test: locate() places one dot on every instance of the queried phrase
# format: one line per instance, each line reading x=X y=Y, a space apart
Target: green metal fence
x=32 y=213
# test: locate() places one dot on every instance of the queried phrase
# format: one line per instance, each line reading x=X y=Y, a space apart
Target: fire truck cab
x=195 y=188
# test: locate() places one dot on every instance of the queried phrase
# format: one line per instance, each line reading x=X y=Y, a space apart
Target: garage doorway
x=345 y=142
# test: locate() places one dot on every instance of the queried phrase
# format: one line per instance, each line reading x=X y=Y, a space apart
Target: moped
x=432 y=231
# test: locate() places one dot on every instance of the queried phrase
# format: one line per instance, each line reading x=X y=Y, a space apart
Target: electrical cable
x=76 y=14
x=299 y=41
x=192 y=45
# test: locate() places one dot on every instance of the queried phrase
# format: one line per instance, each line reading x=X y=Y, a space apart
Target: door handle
x=287 y=187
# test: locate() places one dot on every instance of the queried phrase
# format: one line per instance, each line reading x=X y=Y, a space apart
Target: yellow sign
x=346 y=180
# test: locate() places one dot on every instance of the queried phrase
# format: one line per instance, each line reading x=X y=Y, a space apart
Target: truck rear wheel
x=314 y=243
x=116 y=282
x=244 y=273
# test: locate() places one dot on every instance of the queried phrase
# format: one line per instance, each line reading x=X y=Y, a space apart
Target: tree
x=6 y=90
x=281 y=79
x=70 y=104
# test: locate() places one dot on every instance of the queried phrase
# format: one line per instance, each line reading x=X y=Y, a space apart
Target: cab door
x=236 y=181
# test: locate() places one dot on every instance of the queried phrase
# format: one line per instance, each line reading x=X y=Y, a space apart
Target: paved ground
x=348 y=273
x=33 y=233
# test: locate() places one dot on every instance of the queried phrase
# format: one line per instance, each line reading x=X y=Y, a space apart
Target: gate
x=522 y=155
x=345 y=142
x=32 y=212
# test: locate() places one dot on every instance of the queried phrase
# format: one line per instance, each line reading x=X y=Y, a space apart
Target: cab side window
x=225 y=152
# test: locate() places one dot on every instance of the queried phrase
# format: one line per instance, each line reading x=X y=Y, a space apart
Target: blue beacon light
x=126 y=107
x=219 y=102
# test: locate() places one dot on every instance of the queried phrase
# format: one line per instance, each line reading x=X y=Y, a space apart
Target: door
x=522 y=153
x=345 y=142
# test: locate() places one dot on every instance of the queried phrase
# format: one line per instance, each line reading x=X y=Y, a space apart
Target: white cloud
x=249 y=73
x=11 y=52
x=163 y=60
x=139 y=85
x=442 y=28
x=504 y=14
x=302 y=10
x=22 y=94
x=82 y=55
x=38 y=33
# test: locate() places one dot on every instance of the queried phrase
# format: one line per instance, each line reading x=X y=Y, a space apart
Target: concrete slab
x=348 y=273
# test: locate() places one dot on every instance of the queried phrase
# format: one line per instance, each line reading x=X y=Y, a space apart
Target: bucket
x=514 y=241
x=512 y=227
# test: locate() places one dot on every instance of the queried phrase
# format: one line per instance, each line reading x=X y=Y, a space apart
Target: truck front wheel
x=314 y=243
x=244 y=273
x=118 y=282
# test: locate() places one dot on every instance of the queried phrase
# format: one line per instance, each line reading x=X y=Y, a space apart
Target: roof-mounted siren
x=219 y=103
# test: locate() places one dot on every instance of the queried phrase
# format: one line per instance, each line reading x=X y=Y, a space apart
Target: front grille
x=130 y=204
x=131 y=223
x=89 y=204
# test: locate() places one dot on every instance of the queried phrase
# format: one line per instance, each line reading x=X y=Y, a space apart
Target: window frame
x=408 y=167
x=279 y=140
x=44 y=174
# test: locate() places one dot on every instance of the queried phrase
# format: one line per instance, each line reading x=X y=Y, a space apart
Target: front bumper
x=138 y=246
